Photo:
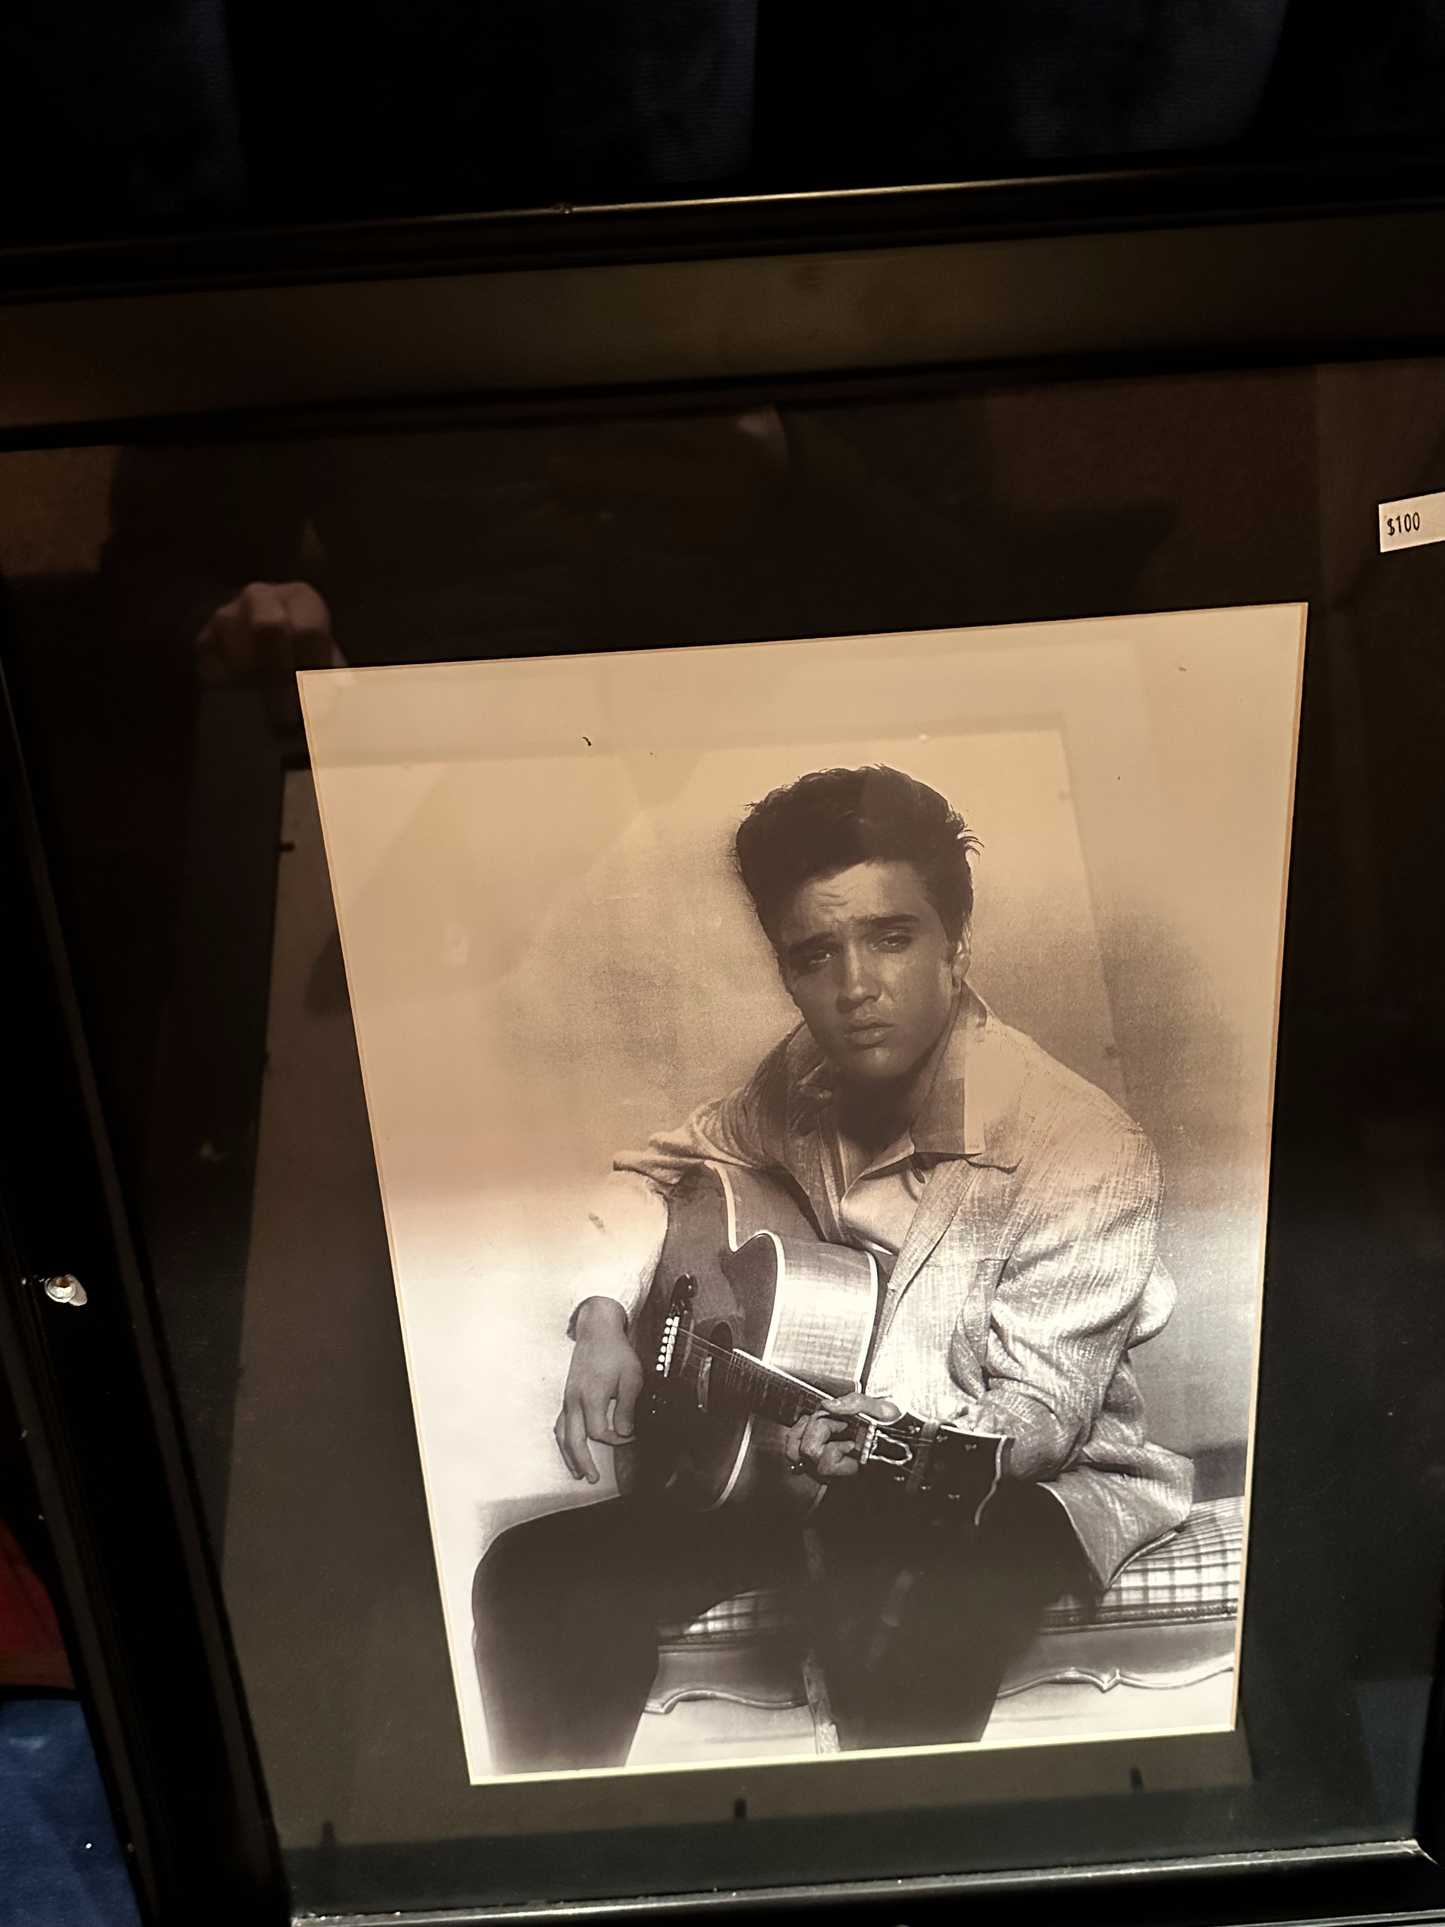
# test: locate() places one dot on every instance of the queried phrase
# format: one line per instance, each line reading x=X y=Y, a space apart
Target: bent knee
x=533 y=1559
x=508 y=1569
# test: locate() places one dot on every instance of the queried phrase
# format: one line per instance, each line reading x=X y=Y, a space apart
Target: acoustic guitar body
x=760 y=1282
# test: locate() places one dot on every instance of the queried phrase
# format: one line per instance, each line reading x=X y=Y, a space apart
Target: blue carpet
x=60 y=1862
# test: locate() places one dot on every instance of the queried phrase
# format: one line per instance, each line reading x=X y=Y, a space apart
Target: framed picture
x=551 y=945
x=728 y=989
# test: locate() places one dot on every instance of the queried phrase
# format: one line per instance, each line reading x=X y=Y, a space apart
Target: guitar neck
x=742 y=1380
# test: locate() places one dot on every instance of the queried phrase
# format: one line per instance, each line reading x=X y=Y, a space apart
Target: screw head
x=65 y=1290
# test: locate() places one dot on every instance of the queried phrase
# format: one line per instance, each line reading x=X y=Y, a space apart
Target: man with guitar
x=1007 y=1211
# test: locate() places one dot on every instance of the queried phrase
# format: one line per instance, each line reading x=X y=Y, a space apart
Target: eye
x=811 y=959
x=894 y=939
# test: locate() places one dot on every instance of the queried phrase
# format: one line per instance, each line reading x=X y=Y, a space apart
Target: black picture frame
x=1150 y=270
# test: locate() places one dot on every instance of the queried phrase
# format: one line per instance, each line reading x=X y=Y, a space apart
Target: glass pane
x=189 y=855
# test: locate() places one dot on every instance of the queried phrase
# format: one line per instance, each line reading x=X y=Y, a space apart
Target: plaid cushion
x=1191 y=1575
x=751 y=1615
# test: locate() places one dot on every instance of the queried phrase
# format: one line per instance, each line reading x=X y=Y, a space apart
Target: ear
x=962 y=956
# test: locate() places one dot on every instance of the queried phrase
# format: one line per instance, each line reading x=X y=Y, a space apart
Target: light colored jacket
x=1028 y=1273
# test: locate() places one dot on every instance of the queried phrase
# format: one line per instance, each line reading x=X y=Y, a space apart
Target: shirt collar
x=971 y=1110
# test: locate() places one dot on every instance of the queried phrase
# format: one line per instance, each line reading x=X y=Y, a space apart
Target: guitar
x=754 y=1322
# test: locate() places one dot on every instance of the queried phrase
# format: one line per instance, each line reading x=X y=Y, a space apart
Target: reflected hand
x=604 y=1379
x=821 y=1445
x=260 y=638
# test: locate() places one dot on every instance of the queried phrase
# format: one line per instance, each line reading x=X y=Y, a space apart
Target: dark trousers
x=915 y=1622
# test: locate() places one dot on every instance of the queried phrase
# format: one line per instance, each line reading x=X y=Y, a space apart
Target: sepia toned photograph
x=821 y=1096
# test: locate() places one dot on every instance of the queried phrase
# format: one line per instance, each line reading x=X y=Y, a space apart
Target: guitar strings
x=767 y=1377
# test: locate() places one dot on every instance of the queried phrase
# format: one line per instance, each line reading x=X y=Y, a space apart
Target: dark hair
x=833 y=818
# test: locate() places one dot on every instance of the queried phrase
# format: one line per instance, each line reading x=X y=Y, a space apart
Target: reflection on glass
x=158 y=624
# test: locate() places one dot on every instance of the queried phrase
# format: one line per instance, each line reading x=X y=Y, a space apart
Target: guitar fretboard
x=736 y=1379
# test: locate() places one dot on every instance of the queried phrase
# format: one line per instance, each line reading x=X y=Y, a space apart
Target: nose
x=857 y=986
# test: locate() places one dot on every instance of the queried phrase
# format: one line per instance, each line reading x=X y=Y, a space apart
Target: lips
x=861 y=1036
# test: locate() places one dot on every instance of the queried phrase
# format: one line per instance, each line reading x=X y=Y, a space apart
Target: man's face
x=871 y=969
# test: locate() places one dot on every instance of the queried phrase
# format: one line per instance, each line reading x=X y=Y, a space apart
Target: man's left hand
x=822 y=1445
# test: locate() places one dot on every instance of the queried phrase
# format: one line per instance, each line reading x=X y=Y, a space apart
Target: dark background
x=142 y=116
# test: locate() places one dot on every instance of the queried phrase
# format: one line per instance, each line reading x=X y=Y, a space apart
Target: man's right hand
x=602 y=1387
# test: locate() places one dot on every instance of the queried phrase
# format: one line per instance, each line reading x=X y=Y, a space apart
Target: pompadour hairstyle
x=833 y=818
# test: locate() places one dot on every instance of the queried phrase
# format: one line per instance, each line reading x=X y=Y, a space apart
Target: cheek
x=924 y=989
x=806 y=992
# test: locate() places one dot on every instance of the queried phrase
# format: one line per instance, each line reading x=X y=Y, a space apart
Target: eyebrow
x=897 y=920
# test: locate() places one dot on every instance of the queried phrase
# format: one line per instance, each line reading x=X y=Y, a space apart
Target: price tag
x=1412 y=523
